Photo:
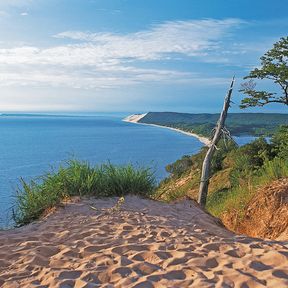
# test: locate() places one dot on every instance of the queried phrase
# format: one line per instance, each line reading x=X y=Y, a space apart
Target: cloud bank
x=104 y=60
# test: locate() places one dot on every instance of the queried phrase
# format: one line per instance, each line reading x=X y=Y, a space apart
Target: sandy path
x=143 y=244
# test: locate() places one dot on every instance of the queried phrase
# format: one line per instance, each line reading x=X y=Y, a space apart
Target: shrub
x=257 y=152
x=279 y=142
x=194 y=162
x=180 y=166
x=245 y=187
x=274 y=169
x=223 y=148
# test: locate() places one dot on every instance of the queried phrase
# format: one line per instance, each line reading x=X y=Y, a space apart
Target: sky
x=133 y=55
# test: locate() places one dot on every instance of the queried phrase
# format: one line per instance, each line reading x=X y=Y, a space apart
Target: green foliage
x=187 y=171
x=237 y=123
x=180 y=166
x=120 y=181
x=253 y=165
x=242 y=169
x=236 y=198
x=201 y=129
x=174 y=195
x=257 y=152
x=194 y=162
x=186 y=163
x=79 y=179
x=248 y=159
x=280 y=142
x=216 y=202
x=223 y=148
x=274 y=169
x=274 y=66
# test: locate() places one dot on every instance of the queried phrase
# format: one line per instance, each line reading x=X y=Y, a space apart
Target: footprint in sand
x=259 y=266
x=175 y=275
x=280 y=274
x=146 y=268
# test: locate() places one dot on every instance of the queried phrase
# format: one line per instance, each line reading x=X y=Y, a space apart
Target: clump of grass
x=275 y=169
x=239 y=196
x=79 y=179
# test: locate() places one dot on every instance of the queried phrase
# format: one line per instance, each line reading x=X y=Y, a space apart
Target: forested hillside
x=255 y=124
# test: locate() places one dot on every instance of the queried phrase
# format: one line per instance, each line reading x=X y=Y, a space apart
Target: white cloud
x=191 y=38
x=103 y=60
x=95 y=79
x=24 y=14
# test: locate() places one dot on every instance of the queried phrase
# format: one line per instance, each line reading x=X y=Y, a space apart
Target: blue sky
x=132 y=55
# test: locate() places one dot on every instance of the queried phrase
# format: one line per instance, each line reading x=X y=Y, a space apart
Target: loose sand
x=144 y=243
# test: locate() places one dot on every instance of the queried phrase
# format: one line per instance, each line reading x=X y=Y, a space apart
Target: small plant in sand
x=117 y=206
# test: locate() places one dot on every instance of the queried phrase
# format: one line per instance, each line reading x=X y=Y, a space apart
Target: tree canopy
x=274 y=67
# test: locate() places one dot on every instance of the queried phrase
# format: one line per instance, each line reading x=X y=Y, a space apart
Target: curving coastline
x=135 y=118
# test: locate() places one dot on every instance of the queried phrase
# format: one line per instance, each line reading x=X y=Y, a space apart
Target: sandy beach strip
x=137 y=117
x=142 y=243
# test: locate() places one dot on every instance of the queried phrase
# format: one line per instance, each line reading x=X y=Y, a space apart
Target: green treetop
x=274 y=66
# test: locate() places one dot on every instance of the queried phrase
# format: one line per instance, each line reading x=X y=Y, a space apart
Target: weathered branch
x=274 y=101
x=205 y=176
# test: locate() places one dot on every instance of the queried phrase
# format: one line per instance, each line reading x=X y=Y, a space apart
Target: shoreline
x=137 y=117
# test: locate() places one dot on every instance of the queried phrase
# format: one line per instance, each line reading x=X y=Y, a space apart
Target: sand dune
x=134 y=118
x=143 y=243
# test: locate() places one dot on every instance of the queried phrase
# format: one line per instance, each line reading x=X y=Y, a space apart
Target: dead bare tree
x=219 y=131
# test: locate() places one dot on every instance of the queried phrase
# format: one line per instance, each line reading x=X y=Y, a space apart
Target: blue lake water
x=30 y=146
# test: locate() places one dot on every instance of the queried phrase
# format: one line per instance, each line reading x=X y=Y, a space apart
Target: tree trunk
x=205 y=176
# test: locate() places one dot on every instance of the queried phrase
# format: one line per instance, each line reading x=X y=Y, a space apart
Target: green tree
x=279 y=142
x=274 y=66
x=180 y=166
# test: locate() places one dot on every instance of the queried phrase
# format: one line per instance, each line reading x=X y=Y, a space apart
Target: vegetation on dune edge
x=79 y=179
x=237 y=175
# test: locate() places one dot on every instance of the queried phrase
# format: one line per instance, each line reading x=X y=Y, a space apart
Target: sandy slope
x=142 y=244
x=134 y=118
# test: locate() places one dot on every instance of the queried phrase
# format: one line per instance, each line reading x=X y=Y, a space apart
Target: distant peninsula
x=136 y=118
x=239 y=124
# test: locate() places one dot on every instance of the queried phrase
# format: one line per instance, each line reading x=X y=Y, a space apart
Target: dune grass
x=237 y=198
x=79 y=179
